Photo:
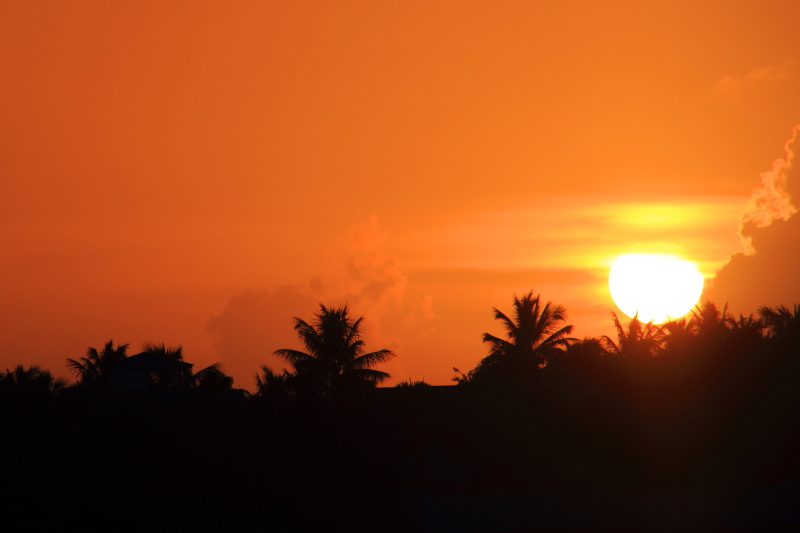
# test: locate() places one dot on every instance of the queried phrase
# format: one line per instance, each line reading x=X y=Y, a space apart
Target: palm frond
x=173 y=352
x=609 y=345
x=508 y=323
x=294 y=356
x=496 y=342
x=76 y=366
x=373 y=358
x=369 y=375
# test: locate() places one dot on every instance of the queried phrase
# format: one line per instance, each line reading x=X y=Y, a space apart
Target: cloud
x=255 y=324
x=426 y=308
x=765 y=272
x=768 y=277
x=469 y=277
x=368 y=279
x=374 y=278
x=734 y=86
x=771 y=201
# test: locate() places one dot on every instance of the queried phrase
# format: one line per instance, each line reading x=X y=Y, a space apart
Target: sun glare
x=657 y=287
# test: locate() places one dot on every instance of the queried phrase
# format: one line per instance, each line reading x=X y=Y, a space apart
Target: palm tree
x=679 y=335
x=746 y=329
x=211 y=379
x=90 y=369
x=640 y=340
x=274 y=386
x=781 y=321
x=30 y=383
x=582 y=354
x=335 y=358
x=710 y=323
x=535 y=333
x=173 y=352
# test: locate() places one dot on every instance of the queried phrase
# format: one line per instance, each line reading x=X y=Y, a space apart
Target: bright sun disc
x=658 y=287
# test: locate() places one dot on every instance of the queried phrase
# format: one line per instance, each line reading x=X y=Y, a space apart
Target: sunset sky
x=199 y=173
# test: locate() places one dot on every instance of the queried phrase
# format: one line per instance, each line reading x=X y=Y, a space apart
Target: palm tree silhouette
x=535 y=333
x=709 y=328
x=746 y=329
x=335 y=358
x=679 y=335
x=639 y=340
x=710 y=322
x=210 y=378
x=583 y=353
x=173 y=352
x=781 y=321
x=30 y=383
x=90 y=369
x=274 y=386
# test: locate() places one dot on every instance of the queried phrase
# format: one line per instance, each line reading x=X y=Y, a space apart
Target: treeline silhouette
x=711 y=400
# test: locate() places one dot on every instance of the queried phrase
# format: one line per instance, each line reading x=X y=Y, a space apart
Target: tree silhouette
x=535 y=333
x=90 y=369
x=210 y=378
x=710 y=322
x=710 y=332
x=679 y=335
x=29 y=384
x=335 y=359
x=462 y=378
x=273 y=387
x=783 y=331
x=581 y=356
x=746 y=330
x=781 y=321
x=638 y=341
x=173 y=352
x=410 y=384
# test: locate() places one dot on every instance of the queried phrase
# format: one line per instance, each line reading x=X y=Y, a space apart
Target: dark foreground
x=628 y=453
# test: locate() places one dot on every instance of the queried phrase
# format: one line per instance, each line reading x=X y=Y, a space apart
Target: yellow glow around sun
x=658 y=287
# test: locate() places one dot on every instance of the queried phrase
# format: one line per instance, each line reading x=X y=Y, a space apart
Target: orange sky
x=199 y=172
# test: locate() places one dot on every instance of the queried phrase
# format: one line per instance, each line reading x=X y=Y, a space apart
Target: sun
x=658 y=287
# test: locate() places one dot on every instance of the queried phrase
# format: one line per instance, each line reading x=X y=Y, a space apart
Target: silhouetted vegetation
x=536 y=334
x=91 y=369
x=28 y=386
x=335 y=363
x=546 y=431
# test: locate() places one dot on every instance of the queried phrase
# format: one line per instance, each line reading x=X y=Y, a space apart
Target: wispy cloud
x=580 y=233
x=733 y=86
x=771 y=201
